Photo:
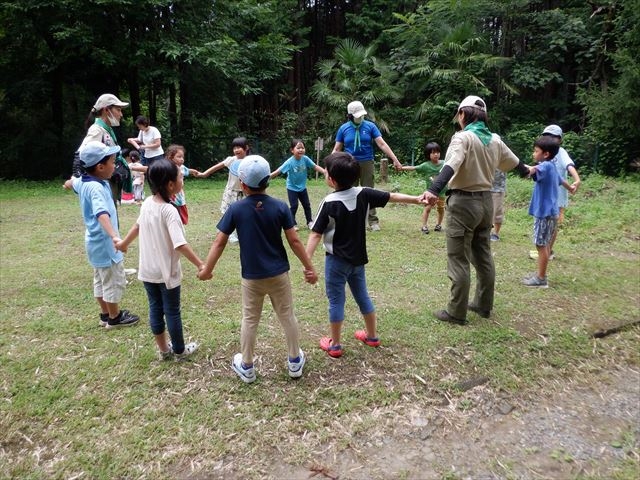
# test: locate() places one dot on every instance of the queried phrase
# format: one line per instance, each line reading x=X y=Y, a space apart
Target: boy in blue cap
x=101 y=221
x=259 y=220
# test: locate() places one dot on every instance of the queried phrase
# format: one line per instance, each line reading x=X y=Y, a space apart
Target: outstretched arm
x=310 y=275
x=404 y=198
x=217 y=247
x=275 y=173
x=123 y=245
x=382 y=145
x=211 y=170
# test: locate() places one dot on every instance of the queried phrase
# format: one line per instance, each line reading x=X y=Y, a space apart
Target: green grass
x=81 y=401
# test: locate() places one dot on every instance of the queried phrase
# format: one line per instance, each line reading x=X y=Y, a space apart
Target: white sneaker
x=295 y=368
x=375 y=227
x=247 y=375
x=130 y=271
x=189 y=348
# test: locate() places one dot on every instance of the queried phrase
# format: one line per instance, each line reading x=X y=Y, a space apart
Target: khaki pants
x=278 y=289
x=469 y=222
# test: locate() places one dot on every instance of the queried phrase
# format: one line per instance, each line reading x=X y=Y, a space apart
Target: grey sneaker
x=536 y=281
x=189 y=348
x=375 y=227
x=248 y=374
x=295 y=368
x=495 y=237
x=425 y=230
x=124 y=319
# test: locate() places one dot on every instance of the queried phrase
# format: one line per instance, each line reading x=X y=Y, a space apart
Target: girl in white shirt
x=162 y=241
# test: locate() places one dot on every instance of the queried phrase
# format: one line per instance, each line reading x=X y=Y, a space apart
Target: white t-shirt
x=233 y=182
x=161 y=232
x=148 y=137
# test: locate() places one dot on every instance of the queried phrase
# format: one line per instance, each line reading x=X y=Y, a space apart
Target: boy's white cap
x=253 y=171
x=356 y=109
x=93 y=153
x=108 y=100
x=554 y=130
x=473 y=101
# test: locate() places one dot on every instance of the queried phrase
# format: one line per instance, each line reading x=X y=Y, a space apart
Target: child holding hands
x=233 y=190
x=342 y=222
x=544 y=204
x=259 y=220
x=162 y=242
x=296 y=170
x=429 y=170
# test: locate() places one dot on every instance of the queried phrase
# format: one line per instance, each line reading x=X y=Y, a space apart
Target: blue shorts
x=543 y=229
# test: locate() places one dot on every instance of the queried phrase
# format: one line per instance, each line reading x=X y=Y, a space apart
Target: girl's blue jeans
x=164 y=305
x=338 y=273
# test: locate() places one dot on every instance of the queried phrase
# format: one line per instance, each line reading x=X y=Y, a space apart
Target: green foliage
x=612 y=111
x=206 y=70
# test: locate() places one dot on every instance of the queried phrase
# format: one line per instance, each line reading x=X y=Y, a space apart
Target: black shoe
x=479 y=311
x=445 y=317
x=124 y=319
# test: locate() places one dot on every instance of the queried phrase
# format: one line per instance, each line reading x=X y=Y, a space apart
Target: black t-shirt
x=342 y=219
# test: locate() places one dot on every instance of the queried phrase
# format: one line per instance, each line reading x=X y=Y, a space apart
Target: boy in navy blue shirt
x=342 y=221
x=259 y=220
x=544 y=204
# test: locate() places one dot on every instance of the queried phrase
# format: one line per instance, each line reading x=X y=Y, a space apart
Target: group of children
x=257 y=222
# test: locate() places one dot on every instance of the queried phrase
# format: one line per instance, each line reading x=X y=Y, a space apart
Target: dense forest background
x=206 y=71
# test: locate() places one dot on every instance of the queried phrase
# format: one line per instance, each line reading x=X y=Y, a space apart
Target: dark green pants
x=469 y=221
x=367 y=176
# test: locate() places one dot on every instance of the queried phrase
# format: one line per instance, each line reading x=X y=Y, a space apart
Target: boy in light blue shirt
x=101 y=234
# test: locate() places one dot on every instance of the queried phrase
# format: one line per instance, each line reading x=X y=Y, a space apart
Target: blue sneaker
x=295 y=368
x=247 y=375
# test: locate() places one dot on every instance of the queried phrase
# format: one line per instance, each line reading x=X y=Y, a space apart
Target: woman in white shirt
x=149 y=140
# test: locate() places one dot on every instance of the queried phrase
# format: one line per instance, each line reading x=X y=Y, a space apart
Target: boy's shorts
x=543 y=230
x=498 y=207
x=109 y=282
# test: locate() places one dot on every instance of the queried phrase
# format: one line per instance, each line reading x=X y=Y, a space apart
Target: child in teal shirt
x=296 y=169
x=429 y=170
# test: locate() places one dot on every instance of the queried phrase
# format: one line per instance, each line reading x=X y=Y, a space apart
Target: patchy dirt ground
x=574 y=431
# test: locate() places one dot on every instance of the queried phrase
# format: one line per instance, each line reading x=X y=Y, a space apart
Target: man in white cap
x=356 y=137
x=564 y=165
x=259 y=220
x=472 y=158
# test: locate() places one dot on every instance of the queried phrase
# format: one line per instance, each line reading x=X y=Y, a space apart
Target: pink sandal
x=362 y=336
x=326 y=344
